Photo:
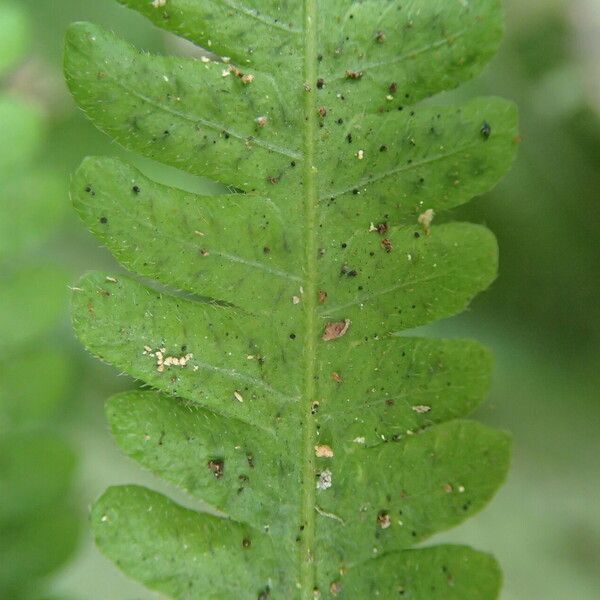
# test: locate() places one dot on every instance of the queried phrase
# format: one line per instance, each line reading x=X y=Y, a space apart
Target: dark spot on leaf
x=135 y=189
x=103 y=220
x=320 y=84
x=217 y=466
x=246 y=543
x=486 y=130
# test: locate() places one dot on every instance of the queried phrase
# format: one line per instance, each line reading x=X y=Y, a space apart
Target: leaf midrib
x=307 y=516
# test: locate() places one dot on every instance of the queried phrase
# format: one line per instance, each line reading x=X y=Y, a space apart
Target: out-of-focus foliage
x=14 y=35
x=545 y=524
x=38 y=524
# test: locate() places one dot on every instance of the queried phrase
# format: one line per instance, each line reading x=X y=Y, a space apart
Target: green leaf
x=37 y=548
x=32 y=205
x=31 y=301
x=38 y=526
x=14 y=35
x=27 y=400
x=320 y=441
x=22 y=131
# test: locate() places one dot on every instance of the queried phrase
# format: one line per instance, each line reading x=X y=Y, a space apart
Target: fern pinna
x=323 y=443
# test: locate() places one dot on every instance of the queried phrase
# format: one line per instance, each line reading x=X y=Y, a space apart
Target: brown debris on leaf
x=426 y=219
x=335 y=588
x=354 y=74
x=322 y=296
x=386 y=244
x=323 y=451
x=217 y=466
x=337 y=377
x=384 y=520
x=335 y=330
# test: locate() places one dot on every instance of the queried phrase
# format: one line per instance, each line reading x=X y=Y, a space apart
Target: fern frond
x=324 y=443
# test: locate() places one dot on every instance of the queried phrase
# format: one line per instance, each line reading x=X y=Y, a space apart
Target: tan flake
x=323 y=451
x=335 y=330
x=426 y=219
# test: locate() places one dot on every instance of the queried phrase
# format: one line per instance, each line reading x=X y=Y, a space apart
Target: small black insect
x=486 y=130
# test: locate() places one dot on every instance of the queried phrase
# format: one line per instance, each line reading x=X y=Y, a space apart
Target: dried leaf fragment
x=323 y=451
x=335 y=330
x=426 y=219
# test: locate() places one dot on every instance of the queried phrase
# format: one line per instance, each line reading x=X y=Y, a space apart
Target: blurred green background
x=542 y=316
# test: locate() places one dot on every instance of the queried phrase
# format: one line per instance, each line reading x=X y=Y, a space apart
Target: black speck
x=103 y=220
x=135 y=189
x=486 y=130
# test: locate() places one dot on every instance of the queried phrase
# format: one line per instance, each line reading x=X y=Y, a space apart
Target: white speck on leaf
x=324 y=482
x=421 y=409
